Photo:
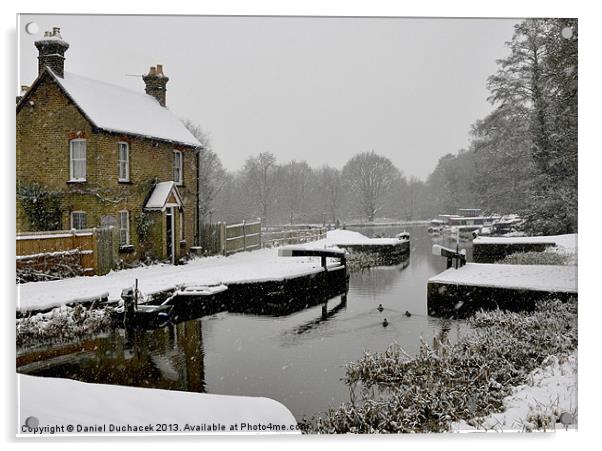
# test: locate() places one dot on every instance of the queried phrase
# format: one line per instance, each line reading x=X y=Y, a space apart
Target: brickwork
x=46 y=123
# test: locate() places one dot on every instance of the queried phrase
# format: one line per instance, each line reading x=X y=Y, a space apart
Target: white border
x=589 y=216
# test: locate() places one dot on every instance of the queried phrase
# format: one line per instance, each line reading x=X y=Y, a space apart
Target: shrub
x=535 y=258
x=448 y=383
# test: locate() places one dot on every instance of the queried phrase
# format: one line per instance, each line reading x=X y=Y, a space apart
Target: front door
x=169 y=217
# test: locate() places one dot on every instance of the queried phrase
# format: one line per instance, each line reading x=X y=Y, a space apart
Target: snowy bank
x=56 y=402
x=537 y=405
x=246 y=266
x=256 y=266
x=522 y=277
x=568 y=242
x=562 y=244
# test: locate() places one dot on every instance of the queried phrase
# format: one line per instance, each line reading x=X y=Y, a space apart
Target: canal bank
x=296 y=359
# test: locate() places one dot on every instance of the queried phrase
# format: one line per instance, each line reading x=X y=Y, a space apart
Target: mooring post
x=128 y=308
x=136 y=294
x=323 y=258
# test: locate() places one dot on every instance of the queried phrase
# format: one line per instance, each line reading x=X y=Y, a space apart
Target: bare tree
x=212 y=175
x=294 y=181
x=258 y=175
x=370 y=177
x=331 y=191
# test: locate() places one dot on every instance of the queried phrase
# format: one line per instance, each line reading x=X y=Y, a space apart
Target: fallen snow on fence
x=57 y=401
x=257 y=266
x=522 y=277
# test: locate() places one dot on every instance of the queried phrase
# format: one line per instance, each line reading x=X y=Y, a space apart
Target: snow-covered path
x=246 y=266
x=253 y=266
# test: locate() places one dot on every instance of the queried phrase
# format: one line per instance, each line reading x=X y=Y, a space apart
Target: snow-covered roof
x=162 y=194
x=117 y=109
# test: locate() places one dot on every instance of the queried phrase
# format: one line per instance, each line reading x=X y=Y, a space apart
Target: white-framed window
x=77 y=160
x=178 y=176
x=78 y=220
x=124 y=228
x=124 y=161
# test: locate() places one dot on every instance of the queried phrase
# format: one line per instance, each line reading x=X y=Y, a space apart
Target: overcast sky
x=315 y=89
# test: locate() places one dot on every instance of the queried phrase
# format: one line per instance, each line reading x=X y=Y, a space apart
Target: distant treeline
x=522 y=157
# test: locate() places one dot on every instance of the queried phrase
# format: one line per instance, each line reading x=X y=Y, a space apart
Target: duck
x=380 y=308
x=385 y=322
x=408 y=314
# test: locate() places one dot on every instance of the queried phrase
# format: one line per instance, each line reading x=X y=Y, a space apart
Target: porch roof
x=165 y=194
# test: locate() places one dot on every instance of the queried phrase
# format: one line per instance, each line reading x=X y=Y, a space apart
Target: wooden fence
x=95 y=251
x=245 y=236
x=227 y=239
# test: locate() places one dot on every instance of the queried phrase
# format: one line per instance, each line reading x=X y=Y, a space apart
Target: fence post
x=222 y=238
x=260 y=236
x=244 y=236
x=95 y=251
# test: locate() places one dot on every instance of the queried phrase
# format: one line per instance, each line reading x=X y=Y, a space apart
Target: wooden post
x=136 y=295
x=95 y=252
x=244 y=236
x=222 y=237
x=260 y=236
x=128 y=308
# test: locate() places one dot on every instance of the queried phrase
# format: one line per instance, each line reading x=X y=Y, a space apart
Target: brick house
x=112 y=156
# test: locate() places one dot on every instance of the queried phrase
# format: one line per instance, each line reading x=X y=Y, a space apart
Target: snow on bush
x=62 y=324
x=446 y=383
x=536 y=258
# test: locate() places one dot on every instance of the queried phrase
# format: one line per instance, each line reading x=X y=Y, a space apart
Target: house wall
x=45 y=125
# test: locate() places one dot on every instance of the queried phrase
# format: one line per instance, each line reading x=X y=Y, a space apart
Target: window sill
x=77 y=181
x=126 y=249
x=125 y=182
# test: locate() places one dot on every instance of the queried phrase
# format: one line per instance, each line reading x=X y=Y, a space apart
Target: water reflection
x=326 y=315
x=170 y=358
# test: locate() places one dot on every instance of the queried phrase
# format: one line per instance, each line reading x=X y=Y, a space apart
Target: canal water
x=297 y=359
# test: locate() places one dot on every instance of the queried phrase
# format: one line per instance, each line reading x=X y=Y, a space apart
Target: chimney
x=52 y=50
x=156 y=83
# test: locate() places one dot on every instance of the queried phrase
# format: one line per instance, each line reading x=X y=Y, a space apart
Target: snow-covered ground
x=567 y=241
x=54 y=401
x=565 y=244
x=253 y=266
x=528 y=277
x=550 y=392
